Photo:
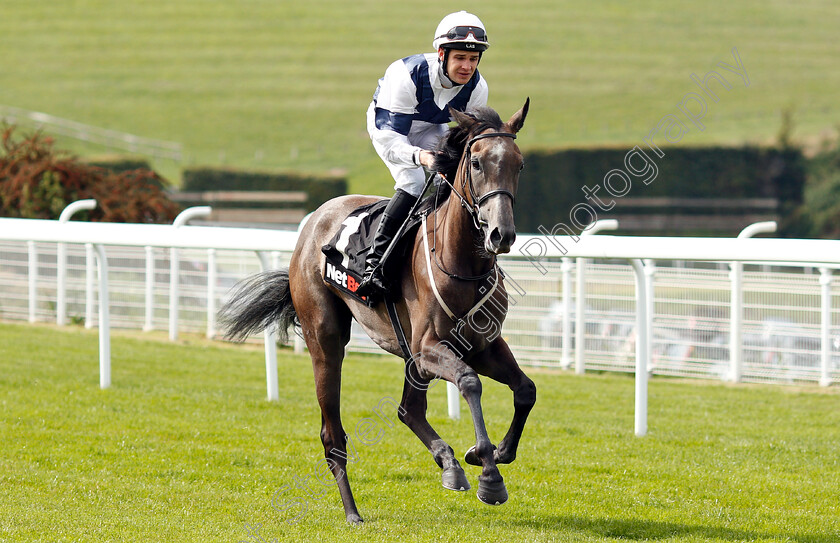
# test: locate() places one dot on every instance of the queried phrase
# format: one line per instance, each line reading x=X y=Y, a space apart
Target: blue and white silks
x=410 y=112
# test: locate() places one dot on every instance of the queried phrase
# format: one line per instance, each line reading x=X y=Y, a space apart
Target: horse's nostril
x=501 y=240
x=495 y=237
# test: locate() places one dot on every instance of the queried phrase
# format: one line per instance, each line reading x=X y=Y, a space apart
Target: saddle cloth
x=349 y=246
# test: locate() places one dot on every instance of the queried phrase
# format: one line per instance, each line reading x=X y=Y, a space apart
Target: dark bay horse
x=451 y=305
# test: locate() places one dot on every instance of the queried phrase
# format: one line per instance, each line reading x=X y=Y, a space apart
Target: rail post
x=580 y=296
x=175 y=266
x=61 y=258
x=650 y=272
x=453 y=401
x=566 y=270
x=642 y=348
x=104 y=320
x=825 y=327
x=736 y=302
x=270 y=339
x=90 y=272
x=211 y=293
x=33 y=279
x=148 y=324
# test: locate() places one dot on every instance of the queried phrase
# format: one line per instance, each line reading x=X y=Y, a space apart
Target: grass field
x=271 y=84
x=184 y=447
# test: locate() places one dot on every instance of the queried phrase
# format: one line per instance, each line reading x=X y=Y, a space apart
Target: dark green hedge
x=819 y=214
x=119 y=163
x=552 y=181
x=320 y=188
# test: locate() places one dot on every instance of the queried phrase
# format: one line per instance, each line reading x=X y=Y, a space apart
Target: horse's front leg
x=498 y=363
x=437 y=359
x=413 y=414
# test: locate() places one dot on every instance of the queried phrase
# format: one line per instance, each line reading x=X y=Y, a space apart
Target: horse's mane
x=451 y=146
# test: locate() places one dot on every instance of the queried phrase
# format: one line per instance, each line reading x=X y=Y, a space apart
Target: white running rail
x=535 y=252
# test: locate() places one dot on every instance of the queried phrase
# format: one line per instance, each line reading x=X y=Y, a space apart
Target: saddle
x=346 y=251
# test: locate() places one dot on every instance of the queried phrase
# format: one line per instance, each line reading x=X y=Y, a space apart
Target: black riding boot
x=396 y=212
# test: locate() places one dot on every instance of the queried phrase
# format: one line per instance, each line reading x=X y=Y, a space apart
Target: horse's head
x=488 y=173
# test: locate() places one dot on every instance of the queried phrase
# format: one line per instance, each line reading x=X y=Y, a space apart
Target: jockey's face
x=461 y=64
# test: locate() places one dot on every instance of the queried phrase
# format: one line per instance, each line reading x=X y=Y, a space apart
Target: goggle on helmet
x=462 y=31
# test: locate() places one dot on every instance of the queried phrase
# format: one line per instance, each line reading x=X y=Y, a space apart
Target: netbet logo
x=341 y=278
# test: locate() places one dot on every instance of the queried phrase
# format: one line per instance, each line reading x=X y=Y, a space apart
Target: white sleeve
x=393 y=110
x=395 y=147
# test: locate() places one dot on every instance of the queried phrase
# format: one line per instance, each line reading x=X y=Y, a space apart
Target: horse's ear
x=463 y=119
x=515 y=123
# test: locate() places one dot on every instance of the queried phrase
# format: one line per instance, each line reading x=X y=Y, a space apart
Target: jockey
x=409 y=114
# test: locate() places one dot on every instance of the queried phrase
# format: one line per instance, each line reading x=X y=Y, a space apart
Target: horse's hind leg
x=498 y=363
x=325 y=323
x=413 y=414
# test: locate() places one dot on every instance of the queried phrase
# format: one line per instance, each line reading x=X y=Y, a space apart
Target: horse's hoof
x=492 y=493
x=455 y=479
x=354 y=519
x=503 y=459
x=471 y=458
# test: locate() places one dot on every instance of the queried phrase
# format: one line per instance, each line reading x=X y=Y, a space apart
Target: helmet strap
x=446 y=52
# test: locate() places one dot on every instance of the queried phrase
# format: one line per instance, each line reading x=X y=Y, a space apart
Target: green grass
x=184 y=447
x=271 y=84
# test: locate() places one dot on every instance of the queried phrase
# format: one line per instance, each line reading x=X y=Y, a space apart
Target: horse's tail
x=256 y=303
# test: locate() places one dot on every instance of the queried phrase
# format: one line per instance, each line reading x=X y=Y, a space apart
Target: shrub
x=37 y=182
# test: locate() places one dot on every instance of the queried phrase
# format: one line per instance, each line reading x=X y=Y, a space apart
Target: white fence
x=691 y=319
x=788 y=324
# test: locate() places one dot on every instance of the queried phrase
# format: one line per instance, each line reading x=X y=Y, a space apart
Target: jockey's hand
x=427 y=159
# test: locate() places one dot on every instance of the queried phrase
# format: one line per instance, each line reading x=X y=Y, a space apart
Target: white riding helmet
x=461 y=30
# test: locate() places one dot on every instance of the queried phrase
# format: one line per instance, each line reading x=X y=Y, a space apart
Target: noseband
x=474 y=208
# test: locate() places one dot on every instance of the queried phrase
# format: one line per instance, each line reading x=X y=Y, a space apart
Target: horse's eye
x=522 y=167
x=475 y=164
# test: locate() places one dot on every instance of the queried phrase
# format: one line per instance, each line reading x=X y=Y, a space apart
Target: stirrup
x=372 y=283
x=371 y=288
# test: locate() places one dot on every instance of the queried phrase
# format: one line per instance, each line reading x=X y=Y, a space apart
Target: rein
x=436 y=292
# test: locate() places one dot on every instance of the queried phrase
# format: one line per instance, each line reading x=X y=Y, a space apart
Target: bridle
x=474 y=209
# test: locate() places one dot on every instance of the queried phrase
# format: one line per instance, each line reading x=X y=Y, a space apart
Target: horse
x=450 y=314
